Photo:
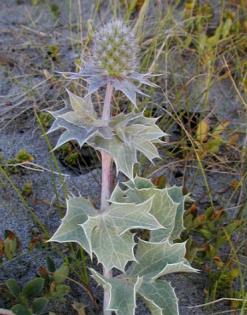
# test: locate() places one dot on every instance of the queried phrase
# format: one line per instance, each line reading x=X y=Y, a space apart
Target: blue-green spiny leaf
x=132 y=133
x=159 y=297
x=153 y=259
x=122 y=292
x=168 y=212
x=80 y=122
x=78 y=209
x=107 y=232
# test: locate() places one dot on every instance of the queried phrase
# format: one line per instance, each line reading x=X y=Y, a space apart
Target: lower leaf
x=78 y=209
x=122 y=293
x=159 y=297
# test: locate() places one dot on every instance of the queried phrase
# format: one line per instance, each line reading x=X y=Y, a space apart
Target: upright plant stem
x=106 y=179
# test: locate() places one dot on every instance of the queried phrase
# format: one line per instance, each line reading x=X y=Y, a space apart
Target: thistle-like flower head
x=114 y=60
x=115 y=50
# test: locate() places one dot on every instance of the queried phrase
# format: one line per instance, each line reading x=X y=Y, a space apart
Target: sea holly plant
x=112 y=233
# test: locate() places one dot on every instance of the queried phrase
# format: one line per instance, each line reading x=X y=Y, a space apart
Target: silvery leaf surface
x=112 y=250
x=73 y=133
x=153 y=260
x=78 y=210
x=95 y=83
x=128 y=88
x=156 y=259
x=137 y=123
x=97 y=78
x=94 y=76
x=123 y=155
x=83 y=106
x=108 y=236
x=177 y=196
x=80 y=122
x=133 y=133
x=139 y=183
x=122 y=137
x=143 y=78
x=164 y=209
x=167 y=207
x=122 y=293
x=160 y=297
x=141 y=133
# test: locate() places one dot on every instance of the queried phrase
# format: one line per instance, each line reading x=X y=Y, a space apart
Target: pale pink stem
x=106 y=180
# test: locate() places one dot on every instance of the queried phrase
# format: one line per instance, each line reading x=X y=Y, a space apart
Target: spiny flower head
x=114 y=61
x=115 y=49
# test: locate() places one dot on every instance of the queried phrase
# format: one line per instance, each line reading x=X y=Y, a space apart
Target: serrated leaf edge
x=151 y=301
x=150 y=200
x=52 y=239
x=163 y=273
x=143 y=189
x=109 y=287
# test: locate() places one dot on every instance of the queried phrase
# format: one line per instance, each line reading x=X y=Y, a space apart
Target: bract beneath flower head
x=114 y=60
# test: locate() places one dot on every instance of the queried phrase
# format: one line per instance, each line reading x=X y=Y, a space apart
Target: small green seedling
x=55 y=288
x=29 y=299
x=33 y=297
x=23 y=156
x=27 y=189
